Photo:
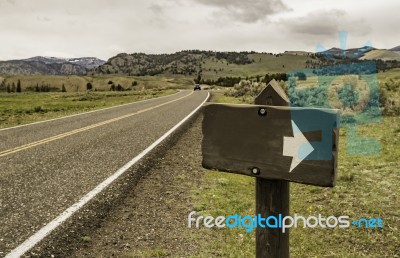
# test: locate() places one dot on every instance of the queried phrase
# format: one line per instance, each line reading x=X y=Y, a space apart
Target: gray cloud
x=156 y=8
x=158 y=18
x=7 y=2
x=245 y=11
x=104 y=28
x=325 y=23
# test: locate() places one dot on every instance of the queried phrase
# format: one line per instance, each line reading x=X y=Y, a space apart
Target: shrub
x=248 y=90
x=89 y=86
x=38 y=109
x=389 y=97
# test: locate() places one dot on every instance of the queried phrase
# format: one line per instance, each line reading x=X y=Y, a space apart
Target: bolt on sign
x=272 y=142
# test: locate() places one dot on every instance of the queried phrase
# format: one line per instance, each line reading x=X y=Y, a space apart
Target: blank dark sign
x=259 y=140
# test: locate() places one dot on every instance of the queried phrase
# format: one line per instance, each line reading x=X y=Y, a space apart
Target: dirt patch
x=152 y=220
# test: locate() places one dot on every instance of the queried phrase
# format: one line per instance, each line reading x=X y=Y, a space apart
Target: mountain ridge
x=18 y=67
x=50 y=66
x=352 y=53
x=395 y=48
x=208 y=64
x=87 y=62
x=213 y=65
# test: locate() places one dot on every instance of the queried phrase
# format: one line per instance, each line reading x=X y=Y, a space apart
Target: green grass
x=223 y=194
x=267 y=64
x=367 y=186
x=389 y=74
x=75 y=83
x=23 y=108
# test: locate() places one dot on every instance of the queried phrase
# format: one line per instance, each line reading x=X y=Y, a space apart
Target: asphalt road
x=47 y=167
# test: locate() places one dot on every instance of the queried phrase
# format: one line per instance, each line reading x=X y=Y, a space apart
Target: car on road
x=197 y=87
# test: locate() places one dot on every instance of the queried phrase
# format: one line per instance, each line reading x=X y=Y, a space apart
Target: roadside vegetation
x=28 y=107
x=356 y=94
x=367 y=186
x=75 y=83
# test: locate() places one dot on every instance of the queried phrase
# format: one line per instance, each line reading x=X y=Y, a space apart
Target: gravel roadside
x=152 y=220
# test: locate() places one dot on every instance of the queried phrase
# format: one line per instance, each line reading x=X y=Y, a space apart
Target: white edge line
x=83 y=113
x=46 y=230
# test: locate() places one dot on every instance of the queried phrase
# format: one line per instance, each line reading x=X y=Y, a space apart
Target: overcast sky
x=104 y=28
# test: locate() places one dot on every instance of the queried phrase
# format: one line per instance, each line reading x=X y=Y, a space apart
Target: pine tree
x=19 y=86
x=198 y=79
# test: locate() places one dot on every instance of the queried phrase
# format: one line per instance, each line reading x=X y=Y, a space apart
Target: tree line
x=12 y=87
x=229 y=81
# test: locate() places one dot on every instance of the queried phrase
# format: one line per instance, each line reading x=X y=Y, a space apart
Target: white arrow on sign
x=291 y=147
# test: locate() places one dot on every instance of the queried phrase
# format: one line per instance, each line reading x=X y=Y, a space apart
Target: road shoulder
x=152 y=220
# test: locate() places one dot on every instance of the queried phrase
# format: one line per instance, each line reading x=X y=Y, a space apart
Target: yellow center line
x=63 y=135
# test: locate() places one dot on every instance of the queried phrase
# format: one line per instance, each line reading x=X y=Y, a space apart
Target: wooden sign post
x=272 y=196
x=276 y=144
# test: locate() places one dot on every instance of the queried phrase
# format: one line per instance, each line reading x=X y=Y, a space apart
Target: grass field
x=23 y=108
x=390 y=74
x=382 y=54
x=76 y=83
x=263 y=63
x=367 y=186
x=268 y=64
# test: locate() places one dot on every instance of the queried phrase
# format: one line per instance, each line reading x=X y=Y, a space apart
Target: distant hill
x=18 y=67
x=50 y=66
x=395 y=48
x=352 y=53
x=180 y=62
x=381 y=54
x=211 y=66
x=87 y=62
x=302 y=53
x=208 y=64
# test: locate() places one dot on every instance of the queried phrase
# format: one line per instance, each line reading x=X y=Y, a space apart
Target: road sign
x=271 y=142
x=276 y=144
